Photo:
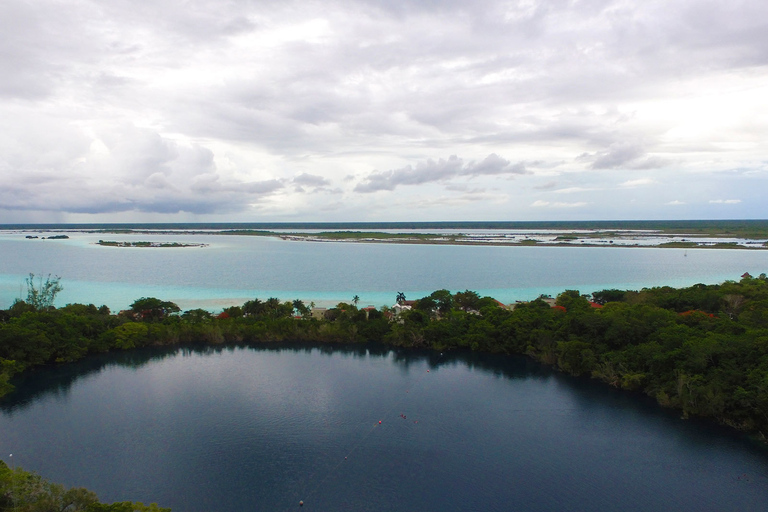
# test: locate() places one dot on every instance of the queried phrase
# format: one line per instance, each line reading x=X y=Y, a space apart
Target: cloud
x=617 y=155
x=546 y=204
x=268 y=99
x=494 y=165
x=622 y=155
x=676 y=203
x=572 y=190
x=637 y=183
x=123 y=169
x=724 y=201
x=431 y=171
x=311 y=180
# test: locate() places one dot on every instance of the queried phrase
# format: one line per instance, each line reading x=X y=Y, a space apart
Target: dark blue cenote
x=235 y=429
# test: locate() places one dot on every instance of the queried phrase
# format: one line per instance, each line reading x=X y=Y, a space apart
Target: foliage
x=42 y=295
x=701 y=349
x=153 y=309
x=24 y=491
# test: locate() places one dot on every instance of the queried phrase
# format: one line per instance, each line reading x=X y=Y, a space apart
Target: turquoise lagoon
x=233 y=269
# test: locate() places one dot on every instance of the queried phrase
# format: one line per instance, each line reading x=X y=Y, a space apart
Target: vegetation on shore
x=702 y=350
x=25 y=491
x=584 y=239
x=752 y=234
x=112 y=243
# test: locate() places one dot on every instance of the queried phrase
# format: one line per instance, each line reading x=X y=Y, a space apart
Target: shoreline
x=484 y=238
x=675 y=345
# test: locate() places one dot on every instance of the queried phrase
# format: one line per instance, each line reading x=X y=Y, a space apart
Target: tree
x=232 y=312
x=29 y=491
x=400 y=297
x=572 y=300
x=733 y=304
x=355 y=300
x=443 y=301
x=467 y=300
x=300 y=308
x=426 y=304
x=130 y=335
x=41 y=297
x=605 y=296
x=196 y=316
x=253 y=307
x=150 y=308
x=25 y=491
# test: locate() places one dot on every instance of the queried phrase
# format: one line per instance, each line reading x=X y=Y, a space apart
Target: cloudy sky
x=382 y=110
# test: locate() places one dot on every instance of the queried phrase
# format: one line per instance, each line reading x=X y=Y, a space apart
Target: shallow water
x=233 y=269
x=260 y=429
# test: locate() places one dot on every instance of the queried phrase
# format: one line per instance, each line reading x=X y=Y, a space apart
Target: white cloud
x=547 y=204
x=637 y=183
x=724 y=201
x=573 y=190
x=218 y=108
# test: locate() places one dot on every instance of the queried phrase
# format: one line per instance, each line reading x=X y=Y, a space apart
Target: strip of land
x=719 y=234
x=110 y=243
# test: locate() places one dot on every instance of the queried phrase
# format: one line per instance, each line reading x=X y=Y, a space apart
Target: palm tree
x=300 y=308
x=355 y=300
x=400 y=297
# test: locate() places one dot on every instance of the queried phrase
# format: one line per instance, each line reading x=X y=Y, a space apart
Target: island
x=110 y=243
x=681 y=234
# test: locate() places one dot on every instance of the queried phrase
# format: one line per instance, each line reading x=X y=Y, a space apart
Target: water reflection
x=201 y=428
x=57 y=381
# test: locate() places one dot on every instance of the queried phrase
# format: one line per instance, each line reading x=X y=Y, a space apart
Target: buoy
x=301 y=503
x=427 y=371
x=379 y=422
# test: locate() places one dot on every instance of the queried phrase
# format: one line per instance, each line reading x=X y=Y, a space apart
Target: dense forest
x=702 y=350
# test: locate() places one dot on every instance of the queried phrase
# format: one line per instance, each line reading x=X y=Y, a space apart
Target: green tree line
x=701 y=349
x=24 y=491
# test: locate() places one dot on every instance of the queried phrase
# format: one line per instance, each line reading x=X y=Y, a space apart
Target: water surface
x=233 y=269
x=259 y=429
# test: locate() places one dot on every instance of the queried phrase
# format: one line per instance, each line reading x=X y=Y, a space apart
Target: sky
x=382 y=110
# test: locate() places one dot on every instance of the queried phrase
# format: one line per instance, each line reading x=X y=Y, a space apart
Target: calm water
x=234 y=269
x=259 y=429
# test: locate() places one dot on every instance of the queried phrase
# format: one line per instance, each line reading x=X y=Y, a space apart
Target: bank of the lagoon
x=231 y=270
x=232 y=429
x=699 y=350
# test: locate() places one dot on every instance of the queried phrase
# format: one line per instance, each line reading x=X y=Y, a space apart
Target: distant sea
x=233 y=269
